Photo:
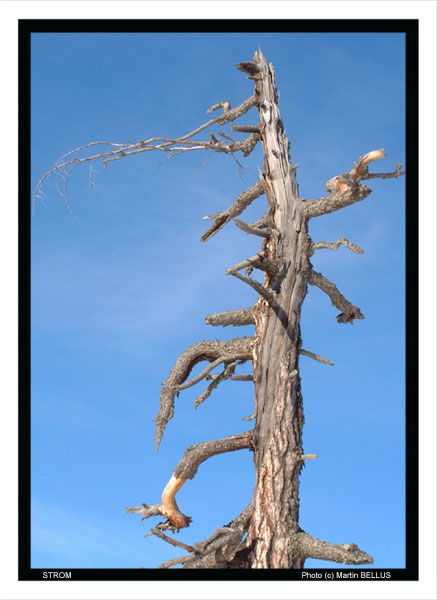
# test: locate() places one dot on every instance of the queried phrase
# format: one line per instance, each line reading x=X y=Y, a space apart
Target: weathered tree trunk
x=278 y=400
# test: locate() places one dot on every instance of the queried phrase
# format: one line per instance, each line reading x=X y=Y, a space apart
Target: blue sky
x=119 y=291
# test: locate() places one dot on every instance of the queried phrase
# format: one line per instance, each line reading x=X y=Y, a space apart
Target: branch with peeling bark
x=349 y=311
x=211 y=351
x=186 y=469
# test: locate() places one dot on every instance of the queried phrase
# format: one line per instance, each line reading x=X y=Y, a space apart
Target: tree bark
x=278 y=401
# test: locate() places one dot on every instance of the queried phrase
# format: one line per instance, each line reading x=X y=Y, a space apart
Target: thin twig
x=170 y=540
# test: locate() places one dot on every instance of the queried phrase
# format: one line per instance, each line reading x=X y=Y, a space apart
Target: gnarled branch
x=335 y=245
x=213 y=350
x=349 y=311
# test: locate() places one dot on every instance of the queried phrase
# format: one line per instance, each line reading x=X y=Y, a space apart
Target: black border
x=411 y=28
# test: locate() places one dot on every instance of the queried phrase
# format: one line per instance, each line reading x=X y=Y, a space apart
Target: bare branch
x=246 y=146
x=212 y=350
x=266 y=293
x=349 y=311
x=170 y=540
x=235 y=318
x=325 y=361
x=248 y=67
x=392 y=175
x=335 y=246
x=348 y=554
x=173 y=146
x=343 y=196
x=242 y=202
x=253 y=230
x=174 y=561
x=220 y=547
x=245 y=263
x=246 y=128
x=195 y=455
x=309 y=456
x=227 y=372
x=209 y=368
x=362 y=163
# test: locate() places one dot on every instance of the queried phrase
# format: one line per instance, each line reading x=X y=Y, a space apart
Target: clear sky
x=119 y=291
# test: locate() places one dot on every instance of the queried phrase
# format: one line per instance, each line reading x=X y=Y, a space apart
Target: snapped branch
x=186 y=469
x=345 y=189
x=234 y=318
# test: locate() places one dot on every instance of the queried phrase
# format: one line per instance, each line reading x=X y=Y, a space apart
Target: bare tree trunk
x=278 y=400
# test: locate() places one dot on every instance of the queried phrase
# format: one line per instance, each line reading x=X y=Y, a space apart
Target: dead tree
x=267 y=533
